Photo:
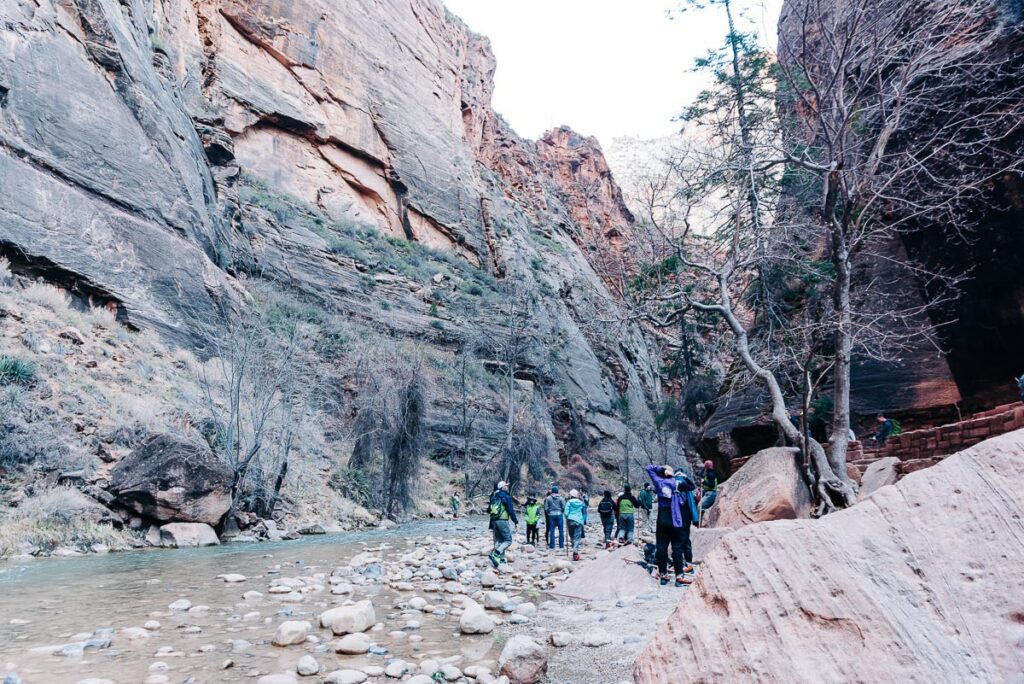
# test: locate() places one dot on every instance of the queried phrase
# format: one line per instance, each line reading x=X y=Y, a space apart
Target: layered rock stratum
x=158 y=158
x=921 y=582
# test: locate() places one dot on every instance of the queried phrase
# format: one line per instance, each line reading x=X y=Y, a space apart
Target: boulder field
x=920 y=582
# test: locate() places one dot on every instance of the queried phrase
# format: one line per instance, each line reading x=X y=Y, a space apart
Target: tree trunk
x=831 y=489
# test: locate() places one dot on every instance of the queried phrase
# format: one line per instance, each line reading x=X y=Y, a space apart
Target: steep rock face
x=594 y=200
x=139 y=141
x=921 y=582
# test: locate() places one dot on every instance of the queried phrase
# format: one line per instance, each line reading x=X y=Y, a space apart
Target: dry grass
x=49 y=296
x=54 y=518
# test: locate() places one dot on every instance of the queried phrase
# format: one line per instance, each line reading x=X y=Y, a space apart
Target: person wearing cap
x=676 y=511
x=554 y=510
x=575 y=519
x=709 y=487
x=503 y=517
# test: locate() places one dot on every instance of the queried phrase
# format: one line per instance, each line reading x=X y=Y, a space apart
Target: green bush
x=14 y=371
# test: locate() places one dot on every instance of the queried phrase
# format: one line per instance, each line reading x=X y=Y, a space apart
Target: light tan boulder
x=884 y=471
x=767 y=487
x=357 y=617
x=920 y=582
x=181 y=535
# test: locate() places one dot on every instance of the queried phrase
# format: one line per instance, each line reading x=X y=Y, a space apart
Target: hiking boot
x=575 y=556
x=683 y=580
x=688 y=569
x=663 y=581
x=493 y=557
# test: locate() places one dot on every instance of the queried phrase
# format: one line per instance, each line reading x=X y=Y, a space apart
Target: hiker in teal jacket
x=575 y=518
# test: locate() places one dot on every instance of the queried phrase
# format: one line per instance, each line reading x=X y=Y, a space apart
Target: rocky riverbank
x=420 y=604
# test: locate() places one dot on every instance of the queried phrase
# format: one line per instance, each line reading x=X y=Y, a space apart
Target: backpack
x=897 y=429
x=605 y=507
x=626 y=506
x=496 y=508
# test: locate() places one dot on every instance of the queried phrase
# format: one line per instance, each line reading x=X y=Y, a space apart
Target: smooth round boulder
x=353 y=644
x=346 y=677
x=291 y=632
x=307 y=666
x=357 y=617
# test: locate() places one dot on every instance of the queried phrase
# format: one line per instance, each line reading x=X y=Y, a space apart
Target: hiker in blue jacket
x=677 y=509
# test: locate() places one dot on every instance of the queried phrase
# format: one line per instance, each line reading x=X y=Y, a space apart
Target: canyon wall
x=971 y=363
x=158 y=156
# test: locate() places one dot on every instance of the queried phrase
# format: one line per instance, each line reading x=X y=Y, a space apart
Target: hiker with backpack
x=887 y=427
x=575 y=519
x=606 y=509
x=531 y=514
x=676 y=511
x=646 y=498
x=455 y=505
x=625 y=508
x=554 y=509
x=503 y=518
x=709 y=488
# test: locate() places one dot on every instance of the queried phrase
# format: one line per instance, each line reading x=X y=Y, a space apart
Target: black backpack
x=606 y=507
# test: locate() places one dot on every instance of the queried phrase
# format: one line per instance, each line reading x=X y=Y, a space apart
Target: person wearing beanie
x=606 y=509
x=554 y=510
x=626 y=507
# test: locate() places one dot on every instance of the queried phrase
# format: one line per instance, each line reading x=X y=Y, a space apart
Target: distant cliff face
x=142 y=144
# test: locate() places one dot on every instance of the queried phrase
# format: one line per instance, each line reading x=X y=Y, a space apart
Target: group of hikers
x=668 y=505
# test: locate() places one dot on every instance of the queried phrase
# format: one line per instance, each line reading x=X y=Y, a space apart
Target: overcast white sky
x=604 y=67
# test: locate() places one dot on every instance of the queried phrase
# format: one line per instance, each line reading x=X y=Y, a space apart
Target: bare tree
x=257 y=386
x=392 y=392
x=899 y=118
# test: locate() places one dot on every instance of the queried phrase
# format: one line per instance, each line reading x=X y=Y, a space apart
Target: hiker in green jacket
x=455 y=505
x=626 y=506
x=646 y=498
x=531 y=514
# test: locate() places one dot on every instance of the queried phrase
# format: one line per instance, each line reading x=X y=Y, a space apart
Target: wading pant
x=627 y=522
x=607 y=522
x=575 y=530
x=502 y=536
x=555 y=523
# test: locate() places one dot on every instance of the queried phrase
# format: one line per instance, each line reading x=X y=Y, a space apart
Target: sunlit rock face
x=145 y=147
x=919 y=583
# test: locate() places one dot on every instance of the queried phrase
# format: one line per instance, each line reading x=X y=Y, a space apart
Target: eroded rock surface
x=767 y=487
x=234 y=139
x=171 y=480
x=921 y=582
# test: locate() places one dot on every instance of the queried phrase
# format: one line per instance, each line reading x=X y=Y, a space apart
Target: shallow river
x=55 y=601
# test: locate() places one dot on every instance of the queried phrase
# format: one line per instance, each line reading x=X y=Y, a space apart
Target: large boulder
x=172 y=480
x=608 y=577
x=523 y=660
x=182 y=535
x=767 y=487
x=920 y=582
x=884 y=471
